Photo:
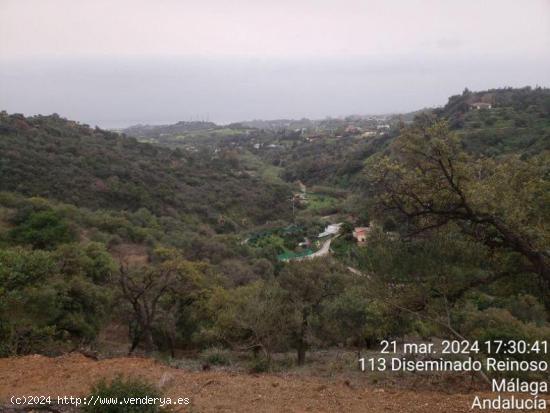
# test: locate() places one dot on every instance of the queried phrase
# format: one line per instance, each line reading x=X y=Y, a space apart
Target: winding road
x=324 y=250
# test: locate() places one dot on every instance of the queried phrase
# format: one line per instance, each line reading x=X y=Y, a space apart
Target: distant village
x=267 y=135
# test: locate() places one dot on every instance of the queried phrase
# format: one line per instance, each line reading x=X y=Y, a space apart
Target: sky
x=120 y=62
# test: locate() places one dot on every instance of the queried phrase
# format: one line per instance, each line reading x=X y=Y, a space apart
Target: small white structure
x=368 y=134
x=481 y=105
x=332 y=229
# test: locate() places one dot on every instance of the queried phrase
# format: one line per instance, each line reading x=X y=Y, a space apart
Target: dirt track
x=218 y=391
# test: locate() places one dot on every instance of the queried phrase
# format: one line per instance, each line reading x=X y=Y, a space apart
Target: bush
x=44 y=230
x=216 y=356
x=490 y=121
x=521 y=123
x=499 y=324
x=121 y=388
x=259 y=365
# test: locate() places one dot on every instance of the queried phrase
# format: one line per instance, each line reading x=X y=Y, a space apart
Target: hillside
x=333 y=151
x=194 y=248
x=155 y=131
x=508 y=120
x=52 y=157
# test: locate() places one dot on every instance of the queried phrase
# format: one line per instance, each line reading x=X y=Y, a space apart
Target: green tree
x=91 y=260
x=309 y=285
x=355 y=318
x=154 y=294
x=429 y=181
x=252 y=317
x=40 y=306
x=42 y=229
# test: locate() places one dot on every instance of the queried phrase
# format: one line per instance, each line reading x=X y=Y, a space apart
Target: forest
x=164 y=241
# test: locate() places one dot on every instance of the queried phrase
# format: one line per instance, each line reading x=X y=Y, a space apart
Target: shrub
x=490 y=121
x=520 y=123
x=259 y=365
x=216 y=356
x=121 y=388
x=44 y=230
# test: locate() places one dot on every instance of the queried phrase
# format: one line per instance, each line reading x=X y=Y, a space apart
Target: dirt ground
x=215 y=391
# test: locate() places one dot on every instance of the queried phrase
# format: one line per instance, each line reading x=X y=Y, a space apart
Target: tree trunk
x=172 y=346
x=135 y=335
x=135 y=343
x=148 y=343
x=301 y=351
x=301 y=346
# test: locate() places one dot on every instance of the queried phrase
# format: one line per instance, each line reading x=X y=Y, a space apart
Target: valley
x=250 y=265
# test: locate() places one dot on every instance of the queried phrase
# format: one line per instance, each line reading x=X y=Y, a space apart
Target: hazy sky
x=119 y=62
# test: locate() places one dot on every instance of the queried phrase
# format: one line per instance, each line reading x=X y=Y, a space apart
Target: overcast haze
x=120 y=62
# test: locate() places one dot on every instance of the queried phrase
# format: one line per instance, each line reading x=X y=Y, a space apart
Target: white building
x=332 y=229
x=481 y=105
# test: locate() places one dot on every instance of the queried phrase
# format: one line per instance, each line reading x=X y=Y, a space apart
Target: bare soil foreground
x=212 y=391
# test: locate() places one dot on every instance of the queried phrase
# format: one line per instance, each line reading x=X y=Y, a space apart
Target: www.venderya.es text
x=98 y=400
